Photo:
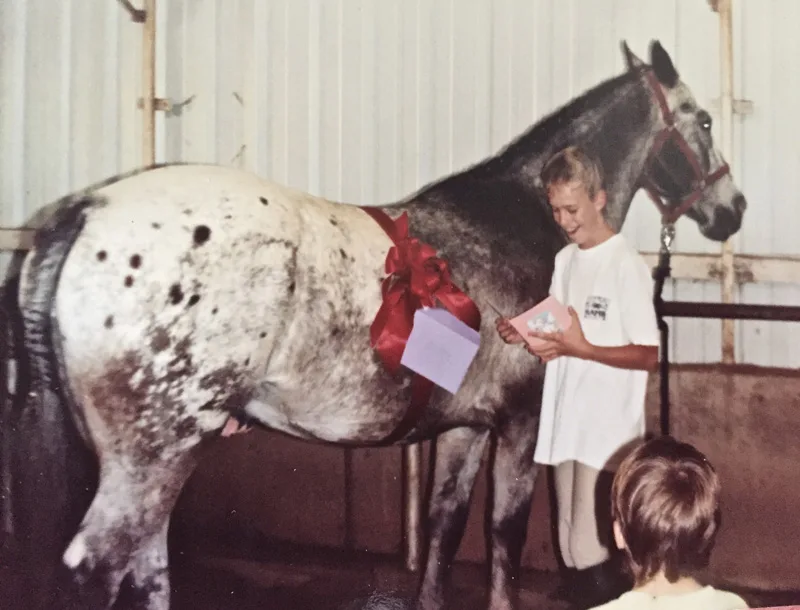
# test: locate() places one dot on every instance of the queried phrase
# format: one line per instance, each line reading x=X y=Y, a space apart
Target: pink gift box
x=440 y=347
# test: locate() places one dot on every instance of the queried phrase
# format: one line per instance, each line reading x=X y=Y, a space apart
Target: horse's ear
x=631 y=60
x=662 y=65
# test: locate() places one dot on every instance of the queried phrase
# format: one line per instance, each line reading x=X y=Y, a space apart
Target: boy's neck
x=603 y=233
x=659 y=585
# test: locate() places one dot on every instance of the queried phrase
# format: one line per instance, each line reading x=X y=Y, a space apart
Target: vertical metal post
x=661 y=273
x=149 y=84
x=724 y=10
x=412 y=461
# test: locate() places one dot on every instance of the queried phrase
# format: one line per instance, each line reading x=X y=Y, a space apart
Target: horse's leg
x=146 y=586
x=458 y=457
x=124 y=531
x=513 y=477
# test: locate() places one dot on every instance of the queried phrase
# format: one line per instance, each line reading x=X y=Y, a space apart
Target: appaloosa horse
x=160 y=304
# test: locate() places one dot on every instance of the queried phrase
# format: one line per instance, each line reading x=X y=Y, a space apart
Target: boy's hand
x=507 y=332
x=570 y=342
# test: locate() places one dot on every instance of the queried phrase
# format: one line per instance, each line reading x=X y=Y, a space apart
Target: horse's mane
x=536 y=139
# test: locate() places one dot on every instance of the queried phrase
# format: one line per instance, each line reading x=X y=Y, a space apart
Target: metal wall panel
x=69 y=82
x=366 y=101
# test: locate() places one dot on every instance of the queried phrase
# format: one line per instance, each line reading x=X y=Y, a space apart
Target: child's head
x=574 y=184
x=665 y=505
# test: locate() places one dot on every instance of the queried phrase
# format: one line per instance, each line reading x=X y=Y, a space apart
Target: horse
x=160 y=304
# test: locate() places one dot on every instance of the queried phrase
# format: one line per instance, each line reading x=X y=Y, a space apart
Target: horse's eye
x=706 y=125
x=687 y=108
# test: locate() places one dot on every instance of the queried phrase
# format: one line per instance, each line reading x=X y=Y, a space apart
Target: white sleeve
x=636 y=302
x=556 y=282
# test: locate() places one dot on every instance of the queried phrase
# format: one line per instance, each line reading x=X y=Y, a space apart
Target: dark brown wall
x=746 y=419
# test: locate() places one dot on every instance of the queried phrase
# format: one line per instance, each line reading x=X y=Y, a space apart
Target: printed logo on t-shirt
x=596 y=308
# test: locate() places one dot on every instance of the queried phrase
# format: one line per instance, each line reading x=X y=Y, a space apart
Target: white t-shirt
x=590 y=411
x=707 y=598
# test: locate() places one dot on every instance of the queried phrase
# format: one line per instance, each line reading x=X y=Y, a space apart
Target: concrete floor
x=288 y=577
x=294 y=578
x=263 y=576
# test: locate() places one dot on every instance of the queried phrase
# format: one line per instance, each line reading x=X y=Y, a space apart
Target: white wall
x=367 y=100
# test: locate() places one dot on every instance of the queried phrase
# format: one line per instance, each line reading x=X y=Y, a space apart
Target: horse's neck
x=619 y=129
x=623 y=145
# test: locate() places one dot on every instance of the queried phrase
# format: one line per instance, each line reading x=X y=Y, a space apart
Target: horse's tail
x=8 y=347
x=52 y=470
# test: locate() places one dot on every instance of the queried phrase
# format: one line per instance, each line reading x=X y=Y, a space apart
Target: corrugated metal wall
x=69 y=82
x=365 y=101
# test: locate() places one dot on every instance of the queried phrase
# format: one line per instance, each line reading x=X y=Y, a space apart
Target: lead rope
x=660 y=274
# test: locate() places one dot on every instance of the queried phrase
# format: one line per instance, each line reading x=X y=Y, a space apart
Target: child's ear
x=600 y=200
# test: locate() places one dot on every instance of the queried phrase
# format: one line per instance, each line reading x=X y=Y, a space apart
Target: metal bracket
x=741 y=107
x=159 y=103
x=137 y=15
x=667 y=237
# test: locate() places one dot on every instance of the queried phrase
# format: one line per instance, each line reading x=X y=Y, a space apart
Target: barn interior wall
x=744 y=418
x=366 y=102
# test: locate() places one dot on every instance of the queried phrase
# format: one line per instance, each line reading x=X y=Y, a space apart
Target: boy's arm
x=631 y=356
x=638 y=319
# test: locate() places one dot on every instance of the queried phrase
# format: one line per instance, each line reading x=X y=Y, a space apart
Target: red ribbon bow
x=416 y=278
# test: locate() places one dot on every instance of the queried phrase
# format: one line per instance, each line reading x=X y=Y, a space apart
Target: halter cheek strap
x=701 y=181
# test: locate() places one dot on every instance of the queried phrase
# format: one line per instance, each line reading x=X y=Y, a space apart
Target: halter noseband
x=701 y=181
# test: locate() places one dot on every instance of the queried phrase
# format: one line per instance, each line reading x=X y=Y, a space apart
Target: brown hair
x=665 y=500
x=573 y=164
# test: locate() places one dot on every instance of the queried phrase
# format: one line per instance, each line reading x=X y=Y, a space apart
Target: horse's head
x=685 y=170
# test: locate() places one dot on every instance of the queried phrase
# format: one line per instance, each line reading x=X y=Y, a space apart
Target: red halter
x=701 y=181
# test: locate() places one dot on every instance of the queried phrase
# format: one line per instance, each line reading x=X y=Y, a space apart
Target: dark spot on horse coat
x=262 y=334
x=333 y=221
x=136 y=261
x=146 y=407
x=182 y=363
x=264 y=200
x=343 y=253
x=128 y=281
x=214 y=311
x=160 y=340
x=230 y=390
x=292 y=288
x=201 y=235
x=247 y=361
x=335 y=331
x=175 y=294
x=186 y=427
x=101 y=256
x=109 y=322
x=156 y=225
x=193 y=300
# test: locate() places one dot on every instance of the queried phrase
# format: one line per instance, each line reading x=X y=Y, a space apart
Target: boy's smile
x=579 y=215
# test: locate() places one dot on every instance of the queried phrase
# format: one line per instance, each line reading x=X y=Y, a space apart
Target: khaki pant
x=583 y=496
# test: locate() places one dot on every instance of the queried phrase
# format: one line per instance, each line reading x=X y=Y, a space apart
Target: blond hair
x=573 y=164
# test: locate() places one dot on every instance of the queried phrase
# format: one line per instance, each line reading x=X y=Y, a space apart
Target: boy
x=596 y=376
x=665 y=505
